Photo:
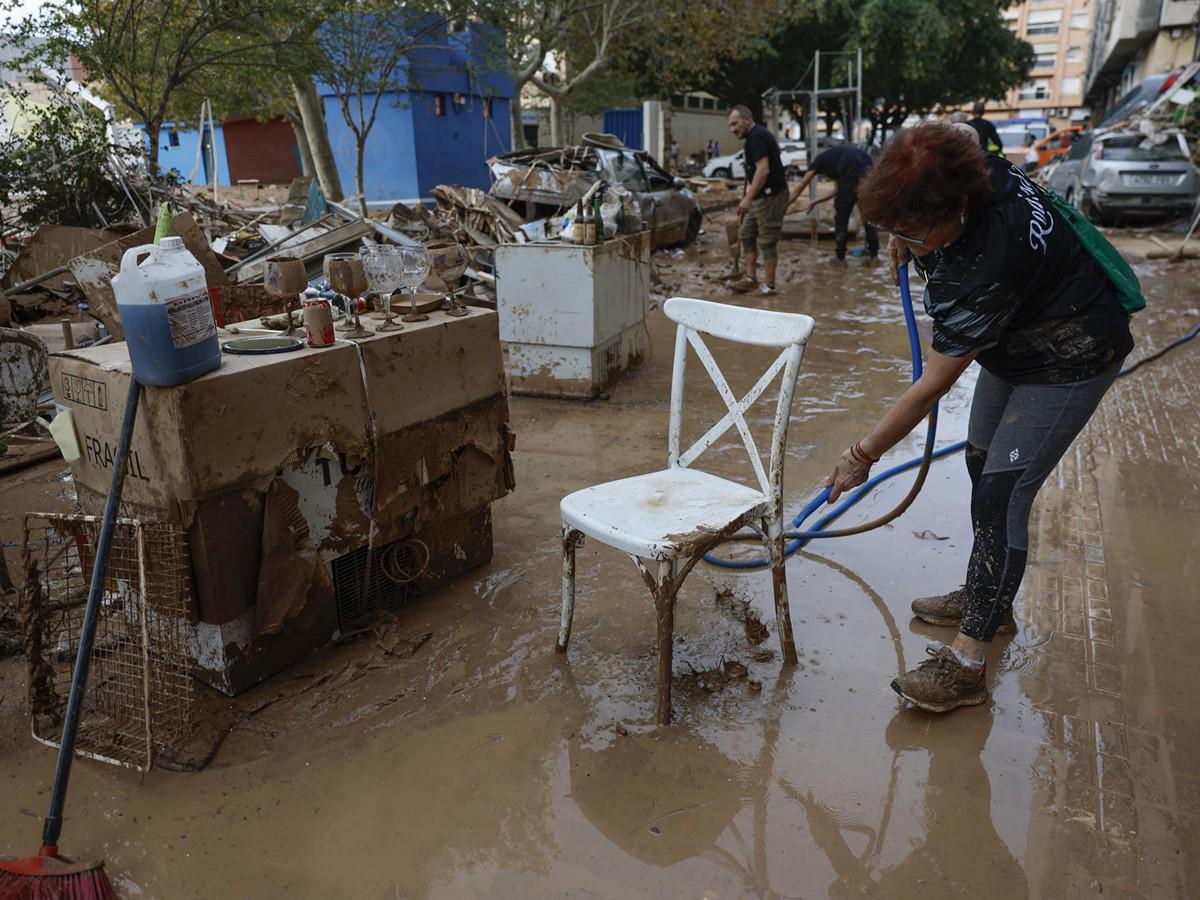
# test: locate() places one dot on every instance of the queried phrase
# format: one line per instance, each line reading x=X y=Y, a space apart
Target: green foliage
x=916 y=53
x=56 y=170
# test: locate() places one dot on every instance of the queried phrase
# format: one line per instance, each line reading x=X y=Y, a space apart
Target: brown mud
x=454 y=754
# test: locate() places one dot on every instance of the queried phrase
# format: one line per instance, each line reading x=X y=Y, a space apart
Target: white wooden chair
x=667 y=520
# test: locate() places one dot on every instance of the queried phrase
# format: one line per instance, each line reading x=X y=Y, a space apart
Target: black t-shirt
x=761 y=144
x=989 y=137
x=1019 y=288
x=845 y=161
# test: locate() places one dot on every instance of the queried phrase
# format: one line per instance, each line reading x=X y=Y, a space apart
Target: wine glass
x=385 y=273
x=284 y=277
x=449 y=260
x=416 y=270
x=348 y=278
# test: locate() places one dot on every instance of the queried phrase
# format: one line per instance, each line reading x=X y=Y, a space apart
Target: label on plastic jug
x=190 y=318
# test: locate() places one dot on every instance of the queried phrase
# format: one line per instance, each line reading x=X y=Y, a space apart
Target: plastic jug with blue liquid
x=166 y=314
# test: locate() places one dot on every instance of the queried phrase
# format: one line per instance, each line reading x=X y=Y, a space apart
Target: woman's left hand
x=847 y=474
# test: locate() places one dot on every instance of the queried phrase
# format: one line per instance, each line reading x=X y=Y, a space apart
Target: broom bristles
x=53 y=878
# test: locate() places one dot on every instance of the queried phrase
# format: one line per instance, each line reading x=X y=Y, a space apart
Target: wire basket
x=139 y=694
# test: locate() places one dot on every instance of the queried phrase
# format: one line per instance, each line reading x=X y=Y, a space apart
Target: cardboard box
x=275 y=463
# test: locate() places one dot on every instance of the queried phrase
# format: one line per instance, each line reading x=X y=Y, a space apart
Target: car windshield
x=1129 y=149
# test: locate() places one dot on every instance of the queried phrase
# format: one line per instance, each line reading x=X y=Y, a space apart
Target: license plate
x=1149 y=180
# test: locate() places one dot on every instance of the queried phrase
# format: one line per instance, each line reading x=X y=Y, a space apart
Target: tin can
x=318 y=322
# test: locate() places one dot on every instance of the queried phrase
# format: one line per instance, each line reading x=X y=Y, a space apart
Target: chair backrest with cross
x=758 y=327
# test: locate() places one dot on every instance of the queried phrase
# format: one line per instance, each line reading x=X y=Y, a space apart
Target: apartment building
x=1134 y=39
x=1060 y=33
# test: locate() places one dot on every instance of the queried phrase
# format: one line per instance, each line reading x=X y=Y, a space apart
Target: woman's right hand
x=899 y=255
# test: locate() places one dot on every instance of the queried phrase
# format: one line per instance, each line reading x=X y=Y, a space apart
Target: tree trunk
x=518 y=127
x=360 y=152
x=153 y=130
x=312 y=112
x=294 y=118
x=558 y=121
x=668 y=137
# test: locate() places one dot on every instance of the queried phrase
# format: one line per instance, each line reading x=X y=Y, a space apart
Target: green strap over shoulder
x=1107 y=258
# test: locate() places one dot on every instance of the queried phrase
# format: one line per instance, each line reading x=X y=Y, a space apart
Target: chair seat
x=660 y=515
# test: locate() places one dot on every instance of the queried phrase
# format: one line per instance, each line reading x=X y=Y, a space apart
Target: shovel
x=733 y=235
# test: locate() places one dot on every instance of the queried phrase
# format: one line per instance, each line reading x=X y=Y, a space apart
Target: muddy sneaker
x=942 y=682
x=743 y=284
x=947 y=609
x=765 y=288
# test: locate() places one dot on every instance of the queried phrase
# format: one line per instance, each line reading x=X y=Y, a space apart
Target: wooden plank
x=350 y=233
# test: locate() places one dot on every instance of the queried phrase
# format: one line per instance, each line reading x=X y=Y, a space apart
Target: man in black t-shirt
x=763 y=204
x=845 y=164
x=989 y=137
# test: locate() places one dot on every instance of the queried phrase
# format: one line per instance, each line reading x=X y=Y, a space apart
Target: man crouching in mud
x=1008 y=285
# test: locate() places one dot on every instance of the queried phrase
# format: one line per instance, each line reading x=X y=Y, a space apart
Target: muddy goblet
x=449 y=260
x=348 y=278
x=285 y=277
x=383 y=265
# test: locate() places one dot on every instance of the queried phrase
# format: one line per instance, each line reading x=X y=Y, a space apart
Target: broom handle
x=87 y=634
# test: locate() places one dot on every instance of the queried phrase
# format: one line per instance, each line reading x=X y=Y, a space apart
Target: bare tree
x=596 y=27
x=365 y=49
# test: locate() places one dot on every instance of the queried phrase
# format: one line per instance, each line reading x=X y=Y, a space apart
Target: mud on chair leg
x=572 y=540
x=783 y=614
x=664 y=605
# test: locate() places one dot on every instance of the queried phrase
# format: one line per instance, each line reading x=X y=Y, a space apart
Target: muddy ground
x=479 y=763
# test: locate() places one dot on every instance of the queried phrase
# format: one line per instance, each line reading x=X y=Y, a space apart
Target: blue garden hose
x=797 y=539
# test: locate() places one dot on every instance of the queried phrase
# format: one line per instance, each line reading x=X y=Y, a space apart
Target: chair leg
x=773 y=528
x=664 y=605
x=570 y=542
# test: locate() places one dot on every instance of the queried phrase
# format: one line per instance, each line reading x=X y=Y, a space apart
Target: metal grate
x=363 y=593
x=139 y=696
x=608 y=360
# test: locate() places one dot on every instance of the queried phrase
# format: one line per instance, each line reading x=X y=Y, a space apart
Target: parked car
x=1012 y=135
x=1112 y=176
x=792 y=153
x=534 y=176
x=1145 y=93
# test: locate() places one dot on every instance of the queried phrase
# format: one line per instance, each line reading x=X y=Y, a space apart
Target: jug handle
x=129 y=259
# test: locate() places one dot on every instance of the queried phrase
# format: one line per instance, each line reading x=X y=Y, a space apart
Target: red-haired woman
x=1009 y=286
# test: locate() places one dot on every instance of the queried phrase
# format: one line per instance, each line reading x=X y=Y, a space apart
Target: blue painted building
x=448 y=114
x=177 y=151
x=452 y=114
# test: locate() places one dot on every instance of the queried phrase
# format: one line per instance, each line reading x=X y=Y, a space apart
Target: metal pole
x=813 y=146
x=858 y=94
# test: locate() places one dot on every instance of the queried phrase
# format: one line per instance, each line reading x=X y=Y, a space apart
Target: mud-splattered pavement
x=485 y=765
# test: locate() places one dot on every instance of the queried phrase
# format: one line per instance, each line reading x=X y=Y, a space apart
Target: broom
x=49 y=876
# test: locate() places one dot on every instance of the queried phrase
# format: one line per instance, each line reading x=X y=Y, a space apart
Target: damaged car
x=543 y=182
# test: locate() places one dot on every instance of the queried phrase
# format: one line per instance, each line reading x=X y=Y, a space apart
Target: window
x=693 y=102
x=628 y=173
x=1043 y=22
x=1045 y=56
x=1079 y=20
x=1038 y=89
x=710 y=103
x=439 y=105
x=173 y=138
x=677 y=101
x=1130 y=149
x=1074 y=54
x=1071 y=87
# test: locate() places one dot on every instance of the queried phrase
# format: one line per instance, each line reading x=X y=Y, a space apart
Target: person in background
x=763 y=204
x=674 y=154
x=1008 y=285
x=716 y=148
x=1031 y=154
x=708 y=151
x=845 y=164
x=989 y=137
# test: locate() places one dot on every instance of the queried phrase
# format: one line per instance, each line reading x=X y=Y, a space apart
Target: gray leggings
x=1017 y=435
